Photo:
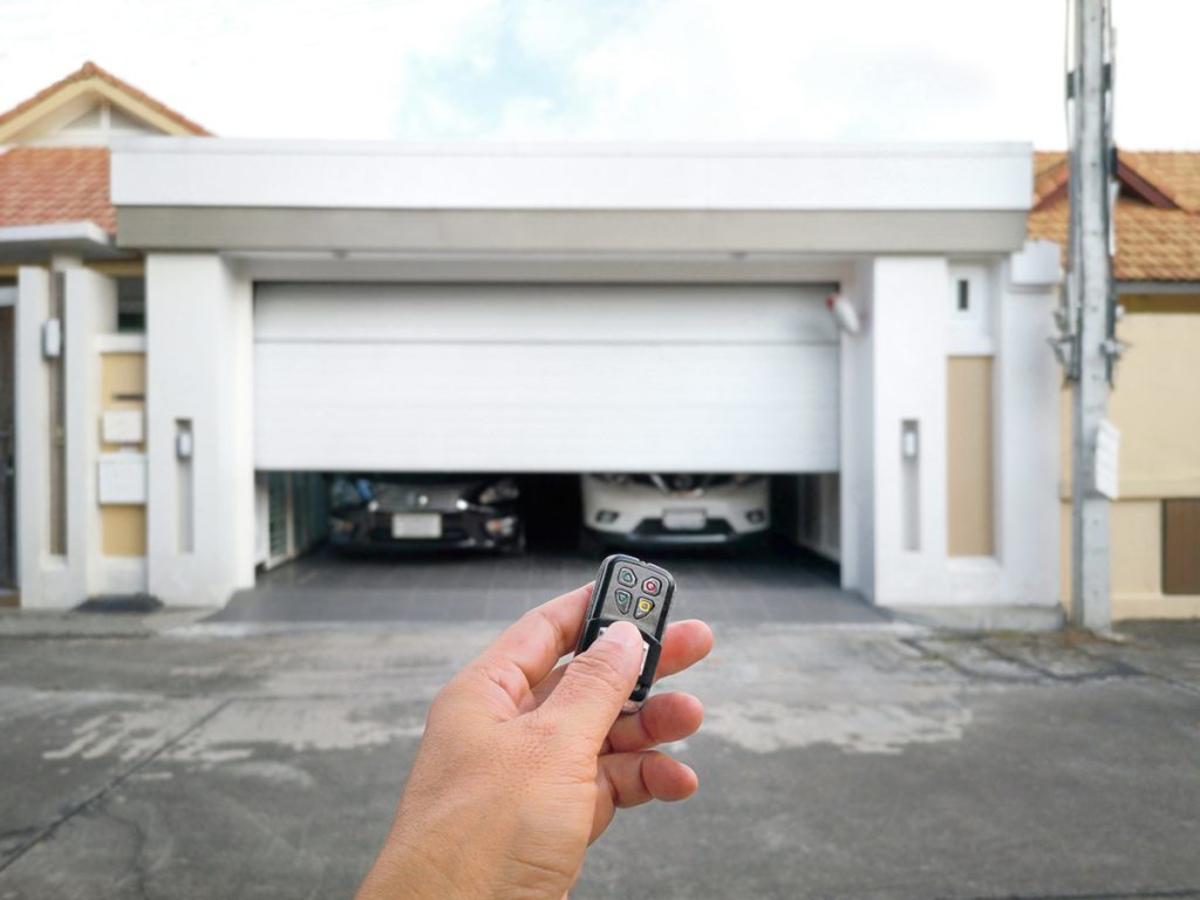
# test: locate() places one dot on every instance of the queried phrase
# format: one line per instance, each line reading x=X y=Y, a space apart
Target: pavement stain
x=766 y=726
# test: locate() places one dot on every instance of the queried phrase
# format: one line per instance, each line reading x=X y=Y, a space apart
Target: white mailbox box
x=123 y=426
x=122 y=479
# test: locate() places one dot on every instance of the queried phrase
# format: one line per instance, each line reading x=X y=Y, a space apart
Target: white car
x=658 y=509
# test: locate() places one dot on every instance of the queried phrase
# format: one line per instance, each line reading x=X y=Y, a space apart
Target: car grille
x=654 y=528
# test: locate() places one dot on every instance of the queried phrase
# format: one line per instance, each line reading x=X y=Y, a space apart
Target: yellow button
x=644 y=605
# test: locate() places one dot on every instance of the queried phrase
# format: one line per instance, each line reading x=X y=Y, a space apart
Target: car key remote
x=638 y=592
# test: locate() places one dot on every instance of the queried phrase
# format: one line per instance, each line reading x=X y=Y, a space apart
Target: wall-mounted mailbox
x=123 y=426
x=52 y=339
x=122 y=479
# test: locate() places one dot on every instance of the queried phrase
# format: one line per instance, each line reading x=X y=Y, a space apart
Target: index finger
x=542 y=636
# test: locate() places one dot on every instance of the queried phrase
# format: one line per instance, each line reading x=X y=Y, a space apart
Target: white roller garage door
x=545 y=378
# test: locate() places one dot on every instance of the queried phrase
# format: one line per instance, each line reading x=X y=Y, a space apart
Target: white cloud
x=636 y=70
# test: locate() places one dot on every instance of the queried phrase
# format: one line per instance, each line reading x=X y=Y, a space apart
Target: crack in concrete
x=137 y=861
x=1113 y=668
x=111 y=785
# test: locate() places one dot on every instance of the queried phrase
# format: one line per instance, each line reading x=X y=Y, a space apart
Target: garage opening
x=420 y=404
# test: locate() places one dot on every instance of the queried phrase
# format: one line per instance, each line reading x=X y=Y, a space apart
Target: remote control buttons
x=623 y=598
x=644 y=607
x=652 y=586
x=626 y=577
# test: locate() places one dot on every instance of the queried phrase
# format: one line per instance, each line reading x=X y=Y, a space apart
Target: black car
x=424 y=512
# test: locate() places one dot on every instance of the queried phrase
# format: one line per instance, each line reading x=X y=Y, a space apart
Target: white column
x=89 y=309
x=1028 y=382
x=200 y=514
x=857 y=542
x=909 y=325
x=42 y=578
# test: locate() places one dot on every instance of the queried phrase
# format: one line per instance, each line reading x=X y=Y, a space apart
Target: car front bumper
x=364 y=530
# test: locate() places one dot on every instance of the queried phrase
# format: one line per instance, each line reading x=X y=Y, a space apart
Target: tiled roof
x=91 y=70
x=1154 y=243
x=44 y=185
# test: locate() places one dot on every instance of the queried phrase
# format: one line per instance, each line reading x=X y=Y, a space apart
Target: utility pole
x=1088 y=346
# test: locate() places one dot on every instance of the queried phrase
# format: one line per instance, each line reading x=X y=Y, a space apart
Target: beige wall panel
x=969 y=456
x=122 y=375
x=1136 y=535
x=1156 y=405
x=1064 y=552
x=123 y=531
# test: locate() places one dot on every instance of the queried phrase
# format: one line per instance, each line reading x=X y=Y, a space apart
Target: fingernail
x=625 y=633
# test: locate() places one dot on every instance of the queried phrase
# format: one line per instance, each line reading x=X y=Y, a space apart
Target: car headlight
x=613 y=478
x=501 y=528
x=499 y=492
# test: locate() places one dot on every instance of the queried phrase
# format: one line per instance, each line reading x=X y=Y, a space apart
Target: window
x=1181 y=546
x=969 y=310
x=131 y=304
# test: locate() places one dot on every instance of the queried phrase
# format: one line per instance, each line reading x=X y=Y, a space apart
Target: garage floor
x=321 y=587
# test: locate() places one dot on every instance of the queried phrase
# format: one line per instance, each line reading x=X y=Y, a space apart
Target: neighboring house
x=56 y=213
x=1155 y=402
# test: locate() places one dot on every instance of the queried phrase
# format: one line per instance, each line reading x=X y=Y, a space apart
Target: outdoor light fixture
x=844 y=313
x=52 y=339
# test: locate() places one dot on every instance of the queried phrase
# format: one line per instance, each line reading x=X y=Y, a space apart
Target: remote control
x=639 y=592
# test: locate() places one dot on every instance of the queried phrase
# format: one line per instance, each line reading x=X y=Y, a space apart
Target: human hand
x=523 y=765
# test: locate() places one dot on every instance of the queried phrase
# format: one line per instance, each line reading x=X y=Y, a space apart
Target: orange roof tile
x=91 y=70
x=44 y=185
x=1153 y=243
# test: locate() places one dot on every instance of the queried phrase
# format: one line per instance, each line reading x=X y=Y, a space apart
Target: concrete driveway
x=766 y=586
x=150 y=757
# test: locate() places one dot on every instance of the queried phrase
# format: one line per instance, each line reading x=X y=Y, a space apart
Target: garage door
x=545 y=378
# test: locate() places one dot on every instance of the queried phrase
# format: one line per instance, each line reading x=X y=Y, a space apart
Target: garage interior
x=543 y=382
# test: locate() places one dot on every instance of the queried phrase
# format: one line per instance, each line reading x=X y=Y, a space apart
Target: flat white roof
x=217 y=172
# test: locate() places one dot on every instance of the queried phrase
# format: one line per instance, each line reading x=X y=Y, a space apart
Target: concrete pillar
x=857 y=543
x=909 y=320
x=42 y=577
x=912 y=301
x=50 y=579
x=1028 y=475
x=200 y=511
x=90 y=310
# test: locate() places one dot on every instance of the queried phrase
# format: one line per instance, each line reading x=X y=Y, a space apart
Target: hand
x=523 y=765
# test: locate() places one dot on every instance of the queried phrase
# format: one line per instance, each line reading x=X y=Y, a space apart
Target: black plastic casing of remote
x=605 y=609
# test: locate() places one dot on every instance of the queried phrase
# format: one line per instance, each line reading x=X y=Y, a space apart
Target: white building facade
x=336 y=307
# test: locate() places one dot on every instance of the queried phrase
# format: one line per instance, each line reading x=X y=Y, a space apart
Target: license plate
x=416 y=526
x=684 y=519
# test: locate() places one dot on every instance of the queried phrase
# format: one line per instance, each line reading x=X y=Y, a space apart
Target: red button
x=651 y=586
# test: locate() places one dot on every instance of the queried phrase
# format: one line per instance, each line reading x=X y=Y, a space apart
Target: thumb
x=595 y=684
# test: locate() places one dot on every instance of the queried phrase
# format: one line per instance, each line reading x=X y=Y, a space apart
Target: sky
x=618 y=70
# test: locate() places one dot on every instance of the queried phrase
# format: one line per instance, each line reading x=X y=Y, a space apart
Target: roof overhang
x=233 y=196
x=84 y=239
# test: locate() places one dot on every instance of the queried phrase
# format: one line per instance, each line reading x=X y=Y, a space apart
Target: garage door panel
x=374 y=313
x=544 y=378
x=467 y=406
